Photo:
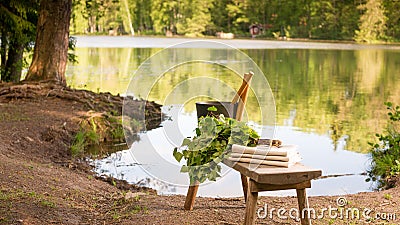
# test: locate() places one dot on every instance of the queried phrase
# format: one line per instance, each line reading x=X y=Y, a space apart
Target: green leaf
x=212 y=109
x=177 y=155
x=184 y=169
x=186 y=141
x=202 y=179
x=254 y=135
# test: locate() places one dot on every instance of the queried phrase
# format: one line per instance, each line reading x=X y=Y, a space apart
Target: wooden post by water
x=241 y=96
x=191 y=196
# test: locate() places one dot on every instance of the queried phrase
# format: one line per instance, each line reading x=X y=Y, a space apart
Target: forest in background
x=360 y=20
x=368 y=21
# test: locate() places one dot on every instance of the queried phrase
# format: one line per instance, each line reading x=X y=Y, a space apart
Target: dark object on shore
x=226 y=108
x=274 y=142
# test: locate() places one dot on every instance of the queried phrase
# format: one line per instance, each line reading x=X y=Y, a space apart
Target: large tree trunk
x=51 y=47
x=13 y=67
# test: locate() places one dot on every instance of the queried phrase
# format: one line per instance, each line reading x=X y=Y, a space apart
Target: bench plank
x=274 y=187
x=275 y=175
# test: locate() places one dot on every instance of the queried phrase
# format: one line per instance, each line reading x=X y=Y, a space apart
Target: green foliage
x=237 y=13
x=17 y=31
x=165 y=15
x=196 y=17
x=393 y=18
x=212 y=109
x=72 y=58
x=372 y=22
x=48 y=204
x=99 y=129
x=98 y=17
x=333 y=19
x=141 y=14
x=320 y=19
x=118 y=133
x=386 y=153
x=219 y=17
x=214 y=137
x=387 y=196
x=83 y=139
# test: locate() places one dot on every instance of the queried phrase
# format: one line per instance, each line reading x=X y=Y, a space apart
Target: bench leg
x=303 y=204
x=245 y=185
x=191 y=196
x=251 y=205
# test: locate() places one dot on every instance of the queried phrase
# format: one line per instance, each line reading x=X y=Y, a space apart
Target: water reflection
x=331 y=98
x=340 y=92
x=144 y=167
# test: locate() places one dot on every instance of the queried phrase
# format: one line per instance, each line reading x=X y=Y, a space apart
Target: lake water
x=329 y=101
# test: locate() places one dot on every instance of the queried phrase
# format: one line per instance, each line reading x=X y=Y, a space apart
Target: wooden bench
x=263 y=178
x=266 y=178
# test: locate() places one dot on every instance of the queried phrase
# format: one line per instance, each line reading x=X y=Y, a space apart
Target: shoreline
x=103 y=41
x=40 y=182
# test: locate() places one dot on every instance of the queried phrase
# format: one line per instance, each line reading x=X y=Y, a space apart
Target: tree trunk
x=50 y=54
x=128 y=14
x=13 y=67
x=3 y=53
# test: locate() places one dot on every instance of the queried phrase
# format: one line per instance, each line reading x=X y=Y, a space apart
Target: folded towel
x=284 y=156
x=262 y=157
x=284 y=150
x=263 y=162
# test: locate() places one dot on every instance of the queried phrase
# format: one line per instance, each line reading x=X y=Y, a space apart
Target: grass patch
x=4 y=220
x=116 y=215
x=79 y=143
x=136 y=209
x=32 y=194
x=12 y=195
x=8 y=195
x=82 y=140
x=8 y=117
x=97 y=128
x=3 y=196
x=47 y=203
x=118 y=133
x=387 y=196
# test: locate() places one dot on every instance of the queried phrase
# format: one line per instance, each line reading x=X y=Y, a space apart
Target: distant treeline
x=360 y=20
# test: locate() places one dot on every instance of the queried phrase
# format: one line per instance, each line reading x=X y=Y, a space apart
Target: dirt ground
x=41 y=183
